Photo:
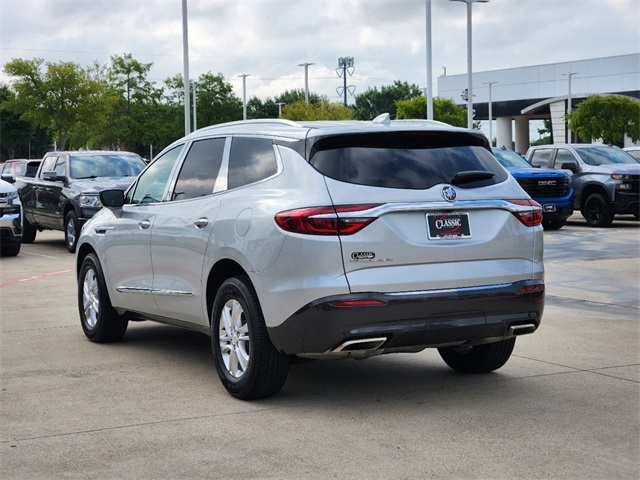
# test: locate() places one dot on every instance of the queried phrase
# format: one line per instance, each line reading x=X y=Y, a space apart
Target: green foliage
x=444 y=110
x=609 y=117
x=296 y=95
x=301 y=110
x=373 y=102
x=256 y=108
x=63 y=97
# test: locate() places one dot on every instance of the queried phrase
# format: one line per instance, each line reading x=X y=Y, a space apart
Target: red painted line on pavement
x=35 y=277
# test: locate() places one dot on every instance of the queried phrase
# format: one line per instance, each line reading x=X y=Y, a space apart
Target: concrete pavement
x=566 y=405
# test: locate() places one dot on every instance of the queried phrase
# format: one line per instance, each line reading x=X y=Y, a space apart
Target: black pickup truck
x=65 y=192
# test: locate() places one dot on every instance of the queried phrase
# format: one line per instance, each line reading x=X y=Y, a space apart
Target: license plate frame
x=448 y=226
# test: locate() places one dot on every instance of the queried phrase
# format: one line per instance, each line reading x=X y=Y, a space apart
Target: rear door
x=181 y=232
x=439 y=221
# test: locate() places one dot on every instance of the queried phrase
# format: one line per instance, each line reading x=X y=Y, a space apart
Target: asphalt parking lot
x=566 y=406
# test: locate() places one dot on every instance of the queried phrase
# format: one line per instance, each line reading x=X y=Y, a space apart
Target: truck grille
x=635 y=183
x=545 y=186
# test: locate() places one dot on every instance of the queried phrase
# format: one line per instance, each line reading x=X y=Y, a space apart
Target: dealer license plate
x=448 y=226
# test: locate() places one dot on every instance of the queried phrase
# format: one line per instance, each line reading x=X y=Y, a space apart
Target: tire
x=597 y=211
x=248 y=364
x=479 y=359
x=28 y=231
x=100 y=322
x=553 y=224
x=10 y=250
x=71 y=231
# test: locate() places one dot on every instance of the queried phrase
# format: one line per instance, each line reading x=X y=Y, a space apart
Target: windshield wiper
x=470 y=176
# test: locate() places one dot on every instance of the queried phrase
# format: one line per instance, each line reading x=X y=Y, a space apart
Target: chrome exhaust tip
x=516 y=330
x=360 y=344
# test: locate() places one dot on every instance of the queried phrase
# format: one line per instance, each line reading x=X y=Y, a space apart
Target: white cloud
x=269 y=38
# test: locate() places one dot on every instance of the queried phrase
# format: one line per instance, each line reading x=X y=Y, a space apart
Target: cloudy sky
x=268 y=39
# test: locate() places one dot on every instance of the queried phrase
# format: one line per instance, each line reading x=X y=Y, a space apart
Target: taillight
x=531 y=216
x=325 y=220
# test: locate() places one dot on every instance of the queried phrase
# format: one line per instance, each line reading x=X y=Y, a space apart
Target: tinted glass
x=200 y=169
x=564 y=156
x=49 y=164
x=151 y=184
x=541 y=157
x=250 y=160
x=408 y=160
x=106 y=165
x=32 y=169
x=510 y=159
x=604 y=156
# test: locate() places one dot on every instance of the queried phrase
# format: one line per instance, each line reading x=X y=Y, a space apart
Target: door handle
x=144 y=224
x=201 y=222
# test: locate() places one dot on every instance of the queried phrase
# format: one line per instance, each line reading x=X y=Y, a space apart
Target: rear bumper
x=413 y=319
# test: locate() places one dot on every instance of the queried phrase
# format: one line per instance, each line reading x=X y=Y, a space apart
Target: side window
x=49 y=164
x=250 y=160
x=152 y=182
x=541 y=157
x=200 y=169
x=564 y=156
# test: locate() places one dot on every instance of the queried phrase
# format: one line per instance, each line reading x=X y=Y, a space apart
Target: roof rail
x=265 y=121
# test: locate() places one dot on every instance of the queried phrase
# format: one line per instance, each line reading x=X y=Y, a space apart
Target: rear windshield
x=407 y=160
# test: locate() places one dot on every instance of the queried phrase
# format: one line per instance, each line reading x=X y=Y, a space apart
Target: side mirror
x=52 y=177
x=9 y=177
x=112 y=198
x=569 y=166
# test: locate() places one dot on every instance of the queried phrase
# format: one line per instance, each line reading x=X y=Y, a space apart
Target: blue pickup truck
x=550 y=188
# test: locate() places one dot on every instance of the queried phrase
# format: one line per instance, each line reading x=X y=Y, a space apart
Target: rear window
x=406 y=160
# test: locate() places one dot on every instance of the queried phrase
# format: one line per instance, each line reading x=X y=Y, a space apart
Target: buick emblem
x=449 y=194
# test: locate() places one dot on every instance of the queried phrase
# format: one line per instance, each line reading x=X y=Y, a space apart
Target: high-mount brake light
x=530 y=217
x=324 y=220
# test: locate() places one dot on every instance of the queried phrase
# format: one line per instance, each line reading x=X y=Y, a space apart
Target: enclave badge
x=448 y=193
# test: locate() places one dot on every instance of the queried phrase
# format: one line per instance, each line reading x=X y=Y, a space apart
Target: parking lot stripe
x=35 y=277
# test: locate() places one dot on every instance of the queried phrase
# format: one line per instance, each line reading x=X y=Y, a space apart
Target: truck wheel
x=100 y=322
x=597 y=211
x=479 y=359
x=553 y=224
x=71 y=231
x=248 y=364
x=28 y=231
x=9 y=250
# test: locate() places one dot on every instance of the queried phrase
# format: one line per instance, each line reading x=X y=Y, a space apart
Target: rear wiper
x=470 y=176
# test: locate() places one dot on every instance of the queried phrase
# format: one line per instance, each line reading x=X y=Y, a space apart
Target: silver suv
x=605 y=179
x=321 y=240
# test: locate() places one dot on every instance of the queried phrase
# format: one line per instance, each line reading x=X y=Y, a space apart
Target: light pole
x=280 y=108
x=569 y=75
x=185 y=58
x=195 y=106
x=429 y=93
x=469 y=66
x=490 y=114
x=244 y=94
x=306 y=80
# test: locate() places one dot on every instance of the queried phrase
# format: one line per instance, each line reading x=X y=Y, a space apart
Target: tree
x=608 y=117
x=301 y=110
x=373 y=102
x=63 y=97
x=216 y=102
x=444 y=110
x=256 y=108
x=16 y=133
x=133 y=122
x=297 y=94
